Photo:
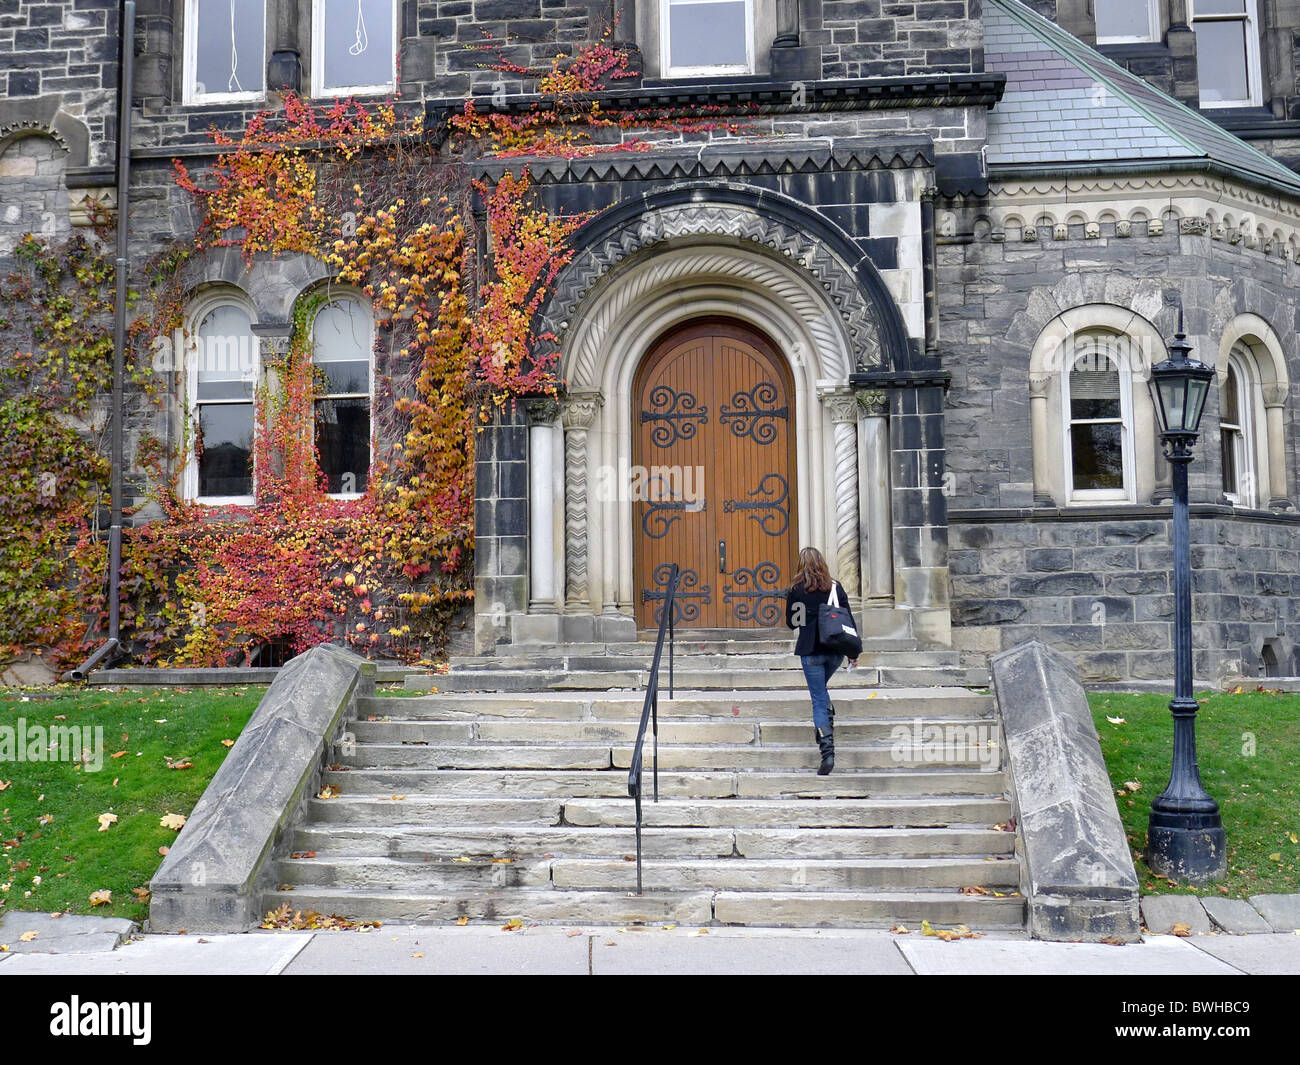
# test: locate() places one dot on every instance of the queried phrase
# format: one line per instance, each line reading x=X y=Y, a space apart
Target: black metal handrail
x=650 y=711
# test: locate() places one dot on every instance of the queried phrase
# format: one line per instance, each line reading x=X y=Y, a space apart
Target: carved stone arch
x=740 y=216
x=273 y=285
x=42 y=116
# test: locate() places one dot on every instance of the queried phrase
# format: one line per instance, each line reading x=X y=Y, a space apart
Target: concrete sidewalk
x=415 y=949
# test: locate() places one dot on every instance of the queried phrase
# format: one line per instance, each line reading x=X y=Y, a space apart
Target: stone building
x=905 y=316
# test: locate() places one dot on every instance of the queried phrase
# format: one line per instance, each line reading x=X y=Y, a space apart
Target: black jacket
x=807 y=642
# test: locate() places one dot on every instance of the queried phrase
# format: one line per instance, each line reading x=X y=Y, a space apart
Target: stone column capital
x=579 y=409
x=872 y=402
x=1274 y=395
x=1038 y=383
x=543 y=410
x=842 y=407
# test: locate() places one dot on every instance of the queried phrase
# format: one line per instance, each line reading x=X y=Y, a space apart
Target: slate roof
x=1066 y=103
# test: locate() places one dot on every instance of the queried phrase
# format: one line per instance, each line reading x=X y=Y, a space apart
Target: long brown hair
x=814 y=575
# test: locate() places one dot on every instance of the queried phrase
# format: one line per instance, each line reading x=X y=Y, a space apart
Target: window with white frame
x=1237 y=432
x=700 y=37
x=225 y=51
x=1098 y=418
x=221 y=364
x=1127 y=21
x=342 y=343
x=1227 y=52
x=354 y=47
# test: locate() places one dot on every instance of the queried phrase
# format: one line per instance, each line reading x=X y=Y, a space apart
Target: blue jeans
x=818 y=670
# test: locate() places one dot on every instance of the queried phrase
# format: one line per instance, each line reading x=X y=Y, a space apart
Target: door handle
x=722 y=556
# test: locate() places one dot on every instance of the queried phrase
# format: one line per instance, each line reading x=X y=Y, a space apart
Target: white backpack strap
x=834 y=599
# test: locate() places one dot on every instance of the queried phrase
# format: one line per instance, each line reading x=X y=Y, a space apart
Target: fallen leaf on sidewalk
x=328 y=792
x=27 y=937
x=417 y=955
x=303 y=854
x=573 y=932
x=1181 y=930
x=462 y=921
x=901 y=930
x=512 y=925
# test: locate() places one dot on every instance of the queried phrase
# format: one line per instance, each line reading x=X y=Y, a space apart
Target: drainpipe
x=126 y=65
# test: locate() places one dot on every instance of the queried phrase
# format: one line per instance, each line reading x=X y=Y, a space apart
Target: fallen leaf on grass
x=1116 y=720
x=118 y=754
x=173 y=821
x=101 y=898
x=1133 y=785
x=185 y=763
x=1276 y=856
x=105 y=820
x=4 y=784
x=227 y=743
x=164 y=851
x=141 y=893
x=45 y=819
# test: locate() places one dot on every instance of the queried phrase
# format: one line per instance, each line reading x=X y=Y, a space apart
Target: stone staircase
x=497 y=804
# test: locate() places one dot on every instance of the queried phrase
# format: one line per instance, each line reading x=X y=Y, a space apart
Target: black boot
x=826 y=744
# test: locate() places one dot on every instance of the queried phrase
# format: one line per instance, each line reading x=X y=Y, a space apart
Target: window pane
x=225 y=354
x=1123 y=18
x=708 y=35
x=1230 y=401
x=341 y=346
x=225 y=449
x=1231 y=450
x=1094 y=392
x=229 y=54
x=1098 y=457
x=358 y=47
x=343 y=442
x=1217 y=7
x=1221 y=59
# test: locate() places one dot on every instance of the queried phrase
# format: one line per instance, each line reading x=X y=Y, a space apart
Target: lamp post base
x=1197 y=854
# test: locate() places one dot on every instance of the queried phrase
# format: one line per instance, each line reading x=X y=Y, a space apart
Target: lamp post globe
x=1185 y=837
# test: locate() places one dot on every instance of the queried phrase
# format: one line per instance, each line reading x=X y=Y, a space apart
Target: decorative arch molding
x=1270 y=359
x=272 y=285
x=43 y=116
x=740 y=216
x=653 y=290
x=1268 y=372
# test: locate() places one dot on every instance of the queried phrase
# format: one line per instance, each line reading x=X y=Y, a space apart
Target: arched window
x=1237 y=432
x=342 y=343
x=1098 y=419
x=222 y=364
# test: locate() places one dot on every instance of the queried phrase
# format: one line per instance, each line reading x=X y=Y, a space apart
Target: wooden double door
x=714 y=477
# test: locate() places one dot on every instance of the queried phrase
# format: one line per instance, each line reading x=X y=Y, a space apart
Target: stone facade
x=870 y=214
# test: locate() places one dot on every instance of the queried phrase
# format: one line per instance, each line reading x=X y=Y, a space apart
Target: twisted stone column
x=578 y=415
x=843 y=410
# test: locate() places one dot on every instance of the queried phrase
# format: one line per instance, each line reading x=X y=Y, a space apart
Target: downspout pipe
x=125 y=88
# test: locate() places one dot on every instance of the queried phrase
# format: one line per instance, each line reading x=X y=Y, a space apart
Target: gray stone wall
x=1095 y=581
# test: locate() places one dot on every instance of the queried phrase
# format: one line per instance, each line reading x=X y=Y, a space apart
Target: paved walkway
x=412 y=949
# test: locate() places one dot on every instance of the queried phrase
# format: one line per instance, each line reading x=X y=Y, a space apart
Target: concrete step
x=521 y=841
x=398 y=810
x=612 y=783
x=762 y=908
x=790 y=813
x=686 y=679
x=690 y=660
x=669 y=756
x=850 y=703
x=588 y=874
x=671 y=730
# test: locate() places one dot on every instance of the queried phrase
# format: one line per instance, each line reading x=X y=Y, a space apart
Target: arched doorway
x=714 y=476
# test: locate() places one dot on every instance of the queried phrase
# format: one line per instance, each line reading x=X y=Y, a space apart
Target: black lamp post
x=1185 y=838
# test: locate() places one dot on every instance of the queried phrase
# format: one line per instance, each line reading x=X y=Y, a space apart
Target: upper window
x=354 y=47
x=222 y=372
x=1099 y=420
x=225 y=50
x=1227 y=52
x=342 y=342
x=1127 y=21
x=701 y=37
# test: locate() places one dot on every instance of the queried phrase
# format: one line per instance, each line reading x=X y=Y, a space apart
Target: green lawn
x=1249 y=749
x=68 y=853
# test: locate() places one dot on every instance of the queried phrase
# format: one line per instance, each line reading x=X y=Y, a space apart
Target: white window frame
x=1245 y=430
x=368 y=396
x=1153 y=27
x=189 y=92
x=665 y=44
x=1087 y=496
x=1254 y=71
x=318 y=88
x=190 y=475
